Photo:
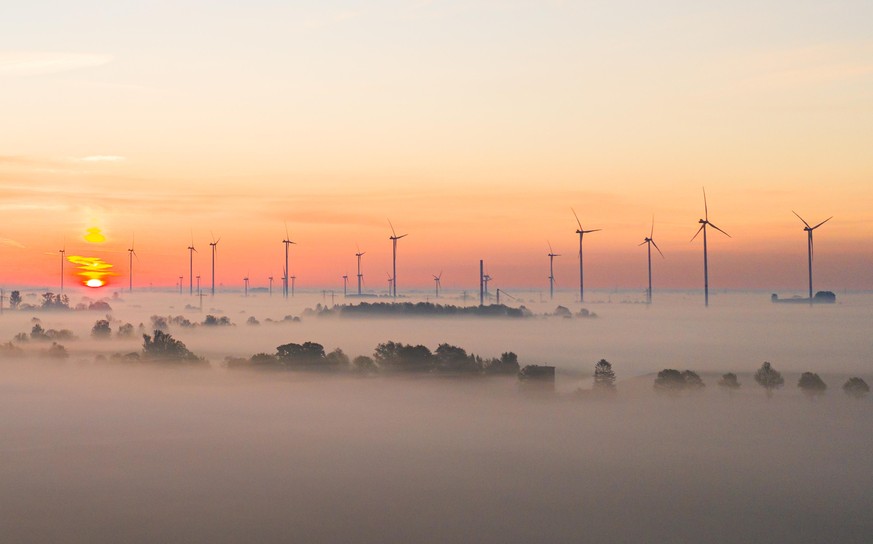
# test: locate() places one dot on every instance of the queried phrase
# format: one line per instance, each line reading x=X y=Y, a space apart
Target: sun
x=94 y=282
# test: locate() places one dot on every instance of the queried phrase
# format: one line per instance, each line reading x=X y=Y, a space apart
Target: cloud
x=32 y=63
x=11 y=243
x=102 y=158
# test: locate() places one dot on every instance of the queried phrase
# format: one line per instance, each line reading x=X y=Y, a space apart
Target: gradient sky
x=474 y=125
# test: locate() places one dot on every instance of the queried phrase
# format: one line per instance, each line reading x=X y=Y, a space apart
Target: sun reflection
x=94 y=271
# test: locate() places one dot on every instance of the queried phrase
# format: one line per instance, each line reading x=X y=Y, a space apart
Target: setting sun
x=94 y=283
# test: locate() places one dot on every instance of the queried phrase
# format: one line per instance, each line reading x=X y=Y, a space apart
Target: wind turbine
x=246 y=281
x=581 y=232
x=437 y=284
x=180 y=283
x=345 y=285
x=271 y=284
x=394 y=239
x=130 y=255
x=485 y=279
x=191 y=251
x=390 y=283
x=214 y=244
x=703 y=224
x=287 y=241
x=293 y=278
x=809 y=246
x=649 y=240
x=552 y=256
x=63 y=252
x=359 y=254
x=198 y=287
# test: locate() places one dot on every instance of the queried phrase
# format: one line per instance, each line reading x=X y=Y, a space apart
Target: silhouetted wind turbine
x=130 y=255
x=271 y=284
x=437 y=284
x=287 y=241
x=63 y=252
x=180 y=283
x=214 y=244
x=651 y=242
x=809 y=246
x=390 y=283
x=581 y=232
x=552 y=256
x=394 y=239
x=198 y=287
x=246 y=281
x=359 y=254
x=703 y=224
x=485 y=279
x=293 y=279
x=345 y=285
x=191 y=251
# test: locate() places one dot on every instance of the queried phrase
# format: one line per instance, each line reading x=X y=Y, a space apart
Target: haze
x=100 y=452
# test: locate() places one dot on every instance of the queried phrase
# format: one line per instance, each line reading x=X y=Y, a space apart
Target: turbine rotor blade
x=577 y=218
x=718 y=229
x=392 y=228
x=702 y=225
x=822 y=223
x=705 y=206
x=802 y=219
x=656 y=247
x=652 y=232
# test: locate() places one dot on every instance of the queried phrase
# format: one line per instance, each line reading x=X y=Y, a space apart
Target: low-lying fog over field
x=96 y=449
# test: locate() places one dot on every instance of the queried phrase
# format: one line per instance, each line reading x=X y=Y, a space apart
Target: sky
x=475 y=126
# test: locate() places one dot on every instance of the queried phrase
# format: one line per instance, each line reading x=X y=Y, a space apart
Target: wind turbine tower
x=130 y=255
x=437 y=284
x=63 y=258
x=360 y=254
x=394 y=239
x=703 y=224
x=809 y=246
x=191 y=251
x=649 y=240
x=552 y=256
x=287 y=241
x=345 y=285
x=271 y=284
x=246 y=281
x=214 y=244
x=581 y=232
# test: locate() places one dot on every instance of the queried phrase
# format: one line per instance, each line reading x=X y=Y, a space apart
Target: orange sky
x=474 y=126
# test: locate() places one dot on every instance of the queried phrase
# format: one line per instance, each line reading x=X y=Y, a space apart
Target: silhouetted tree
x=159 y=323
x=10 y=350
x=729 y=382
x=811 y=384
x=38 y=333
x=856 y=387
x=403 y=357
x=163 y=347
x=507 y=364
x=692 y=380
x=252 y=320
x=212 y=321
x=14 y=299
x=337 y=358
x=101 y=329
x=769 y=378
x=669 y=380
x=307 y=353
x=125 y=331
x=57 y=351
x=51 y=301
x=604 y=376
x=364 y=364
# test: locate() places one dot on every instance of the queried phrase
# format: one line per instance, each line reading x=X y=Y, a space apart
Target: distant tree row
x=370 y=309
x=811 y=384
x=53 y=301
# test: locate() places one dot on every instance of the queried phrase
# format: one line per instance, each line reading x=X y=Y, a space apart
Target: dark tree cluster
x=856 y=387
x=162 y=347
x=604 y=377
x=729 y=382
x=101 y=329
x=670 y=380
x=811 y=384
x=39 y=334
x=769 y=378
x=387 y=356
x=369 y=309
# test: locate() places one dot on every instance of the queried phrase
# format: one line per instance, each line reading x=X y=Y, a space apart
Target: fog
x=136 y=452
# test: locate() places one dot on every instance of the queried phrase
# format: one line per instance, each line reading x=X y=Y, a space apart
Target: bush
x=769 y=378
x=604 y=376
x=856 y=387
x=811 y=384
x=729 y=382
x=101 y=329
x=163 y=347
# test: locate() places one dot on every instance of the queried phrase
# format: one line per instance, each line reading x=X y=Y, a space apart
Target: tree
x=307 y=353
x=507 y=364
x=669 y=380
x=729 y=382
x=604 y=376
x=101 y=329
x=364 y=364
x=163 y=347
x=38 y=333
x=125 y=331
x=403 y=356
x=692 y=380
x=769 y=378
x=51 y=301
x=811 y=384
x=14 y=299
x=57 y=351
x=856 y=387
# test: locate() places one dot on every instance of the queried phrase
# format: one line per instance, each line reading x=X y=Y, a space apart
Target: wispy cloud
x=102 y=158
x=9 y=242
x=32 y=63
